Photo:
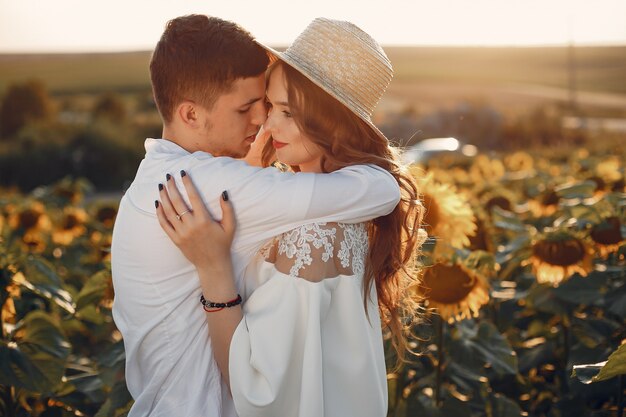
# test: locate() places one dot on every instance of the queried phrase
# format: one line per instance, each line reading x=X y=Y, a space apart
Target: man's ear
x=187 y=112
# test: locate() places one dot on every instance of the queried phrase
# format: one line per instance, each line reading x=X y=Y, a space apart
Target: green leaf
x=614 y=366
x=506 y=220
x=39 y=276
x=488 y=346
x=89 y=384
x=616 y=300
x=93 y=290
x=582 y=290
x=118 y=401
x=536 y=356
x=542 y=298
x=90 y=314
x=35 y=362
x=582 y=189
x=501 y=406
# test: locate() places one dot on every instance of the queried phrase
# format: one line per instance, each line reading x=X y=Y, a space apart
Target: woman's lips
x=278 y=144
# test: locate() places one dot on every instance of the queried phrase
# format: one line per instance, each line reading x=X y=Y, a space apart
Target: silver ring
x=178 y=216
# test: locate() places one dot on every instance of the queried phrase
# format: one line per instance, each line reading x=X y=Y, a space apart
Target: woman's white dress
x=307 y=346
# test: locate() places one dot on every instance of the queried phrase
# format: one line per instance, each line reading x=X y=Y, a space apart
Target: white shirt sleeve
x=268 y=202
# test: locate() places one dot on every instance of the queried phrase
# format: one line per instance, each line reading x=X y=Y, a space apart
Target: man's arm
x=268 y=202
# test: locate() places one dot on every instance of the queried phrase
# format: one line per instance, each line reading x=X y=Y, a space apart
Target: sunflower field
x=523 y=293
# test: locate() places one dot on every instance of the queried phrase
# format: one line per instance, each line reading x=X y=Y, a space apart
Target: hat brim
x=301 y=69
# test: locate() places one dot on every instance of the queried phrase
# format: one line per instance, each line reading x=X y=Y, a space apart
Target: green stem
x=620 y=397
x=9 y=400
x=440 y=359
x=566 y=351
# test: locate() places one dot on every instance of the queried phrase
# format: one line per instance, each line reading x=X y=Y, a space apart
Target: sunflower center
x=550 y=199
x=499 y=201
x=618 y=185
x=66 y=193
x=432 y=215
x=447 y=284
x=607 y=232
x=29 y=218
x=561 y=253
x=106 y=214
x=70 y=221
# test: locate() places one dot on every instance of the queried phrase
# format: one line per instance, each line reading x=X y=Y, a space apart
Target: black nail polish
x=182 y=173
x=168 y=177
x=156 y=203
x=225 y=195
x=160 y=187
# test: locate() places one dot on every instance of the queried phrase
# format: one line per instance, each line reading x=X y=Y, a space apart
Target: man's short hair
x=198 y=58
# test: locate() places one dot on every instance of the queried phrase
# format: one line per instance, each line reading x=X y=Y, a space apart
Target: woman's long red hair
x=394 y=239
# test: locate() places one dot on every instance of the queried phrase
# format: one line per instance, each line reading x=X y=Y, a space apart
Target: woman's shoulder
x=317 y=251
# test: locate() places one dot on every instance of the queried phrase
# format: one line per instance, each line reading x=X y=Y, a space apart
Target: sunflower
x=619 y=185
x=70 y=190
x=105 y=214
x=607 y=235
x=482 y=239
x=519 y=161
x=448 y=216
x=609 y=169
x=30 y=218
x=72 y=225
x=550 y=167
x=485 y=169
x=101 y=243
x=546 y=204
x=454 y=290
x=34 y=242
x=558 y=254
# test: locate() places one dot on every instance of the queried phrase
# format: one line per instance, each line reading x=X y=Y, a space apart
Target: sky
x=127 y=25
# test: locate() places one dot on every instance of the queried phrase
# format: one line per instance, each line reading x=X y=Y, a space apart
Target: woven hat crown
x=344 y=61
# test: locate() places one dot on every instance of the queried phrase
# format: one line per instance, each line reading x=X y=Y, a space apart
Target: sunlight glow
x=116 y=25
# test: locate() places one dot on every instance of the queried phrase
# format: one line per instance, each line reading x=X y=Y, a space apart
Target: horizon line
x=279 y=46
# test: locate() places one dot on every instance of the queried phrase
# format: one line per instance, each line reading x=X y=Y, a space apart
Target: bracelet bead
x=206 y=304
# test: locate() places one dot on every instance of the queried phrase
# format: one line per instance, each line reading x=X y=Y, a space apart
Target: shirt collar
x=163 y=147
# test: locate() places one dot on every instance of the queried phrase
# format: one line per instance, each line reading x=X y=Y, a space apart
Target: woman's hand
x=205 y=242
x=255 y=155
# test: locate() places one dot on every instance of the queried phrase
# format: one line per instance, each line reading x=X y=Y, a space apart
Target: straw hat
x=344 y=61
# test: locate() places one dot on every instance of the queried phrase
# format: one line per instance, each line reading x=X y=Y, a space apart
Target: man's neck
x=173 y=136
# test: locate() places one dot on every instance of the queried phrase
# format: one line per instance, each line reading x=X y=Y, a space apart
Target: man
x=208 y=82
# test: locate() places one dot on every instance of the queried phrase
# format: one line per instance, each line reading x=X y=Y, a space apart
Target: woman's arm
x=206 y=243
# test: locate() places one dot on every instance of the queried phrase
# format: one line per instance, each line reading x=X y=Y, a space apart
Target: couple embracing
x=242 y=289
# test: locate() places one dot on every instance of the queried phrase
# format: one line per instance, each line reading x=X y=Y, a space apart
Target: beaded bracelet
x=212 y=307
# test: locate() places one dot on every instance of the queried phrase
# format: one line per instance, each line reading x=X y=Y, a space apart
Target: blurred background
x=75 y=96
x=511 y=114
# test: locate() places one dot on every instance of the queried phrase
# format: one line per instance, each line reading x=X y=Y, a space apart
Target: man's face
x=234 y=120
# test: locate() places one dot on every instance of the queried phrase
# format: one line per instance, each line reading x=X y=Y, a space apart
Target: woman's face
x=292 y=146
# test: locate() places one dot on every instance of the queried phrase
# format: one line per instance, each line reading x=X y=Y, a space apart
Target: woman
x=308 y=340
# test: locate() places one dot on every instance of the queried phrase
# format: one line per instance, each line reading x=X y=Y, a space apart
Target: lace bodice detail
x=320 y=250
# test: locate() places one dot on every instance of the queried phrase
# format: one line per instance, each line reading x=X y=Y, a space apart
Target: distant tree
x=24 y=103
x=110 y=106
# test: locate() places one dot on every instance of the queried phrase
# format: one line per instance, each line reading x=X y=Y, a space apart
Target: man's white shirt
x=170 y=369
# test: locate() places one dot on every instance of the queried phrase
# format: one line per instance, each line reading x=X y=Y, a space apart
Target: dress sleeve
x=275 y=360
x=280 y=350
